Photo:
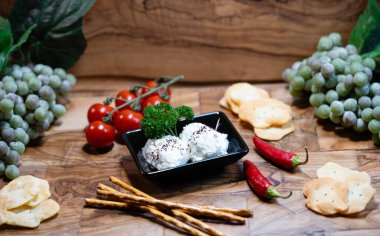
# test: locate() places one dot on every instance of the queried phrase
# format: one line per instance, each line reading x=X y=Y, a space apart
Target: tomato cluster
x=100 y=133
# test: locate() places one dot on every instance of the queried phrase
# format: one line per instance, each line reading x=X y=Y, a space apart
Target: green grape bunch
x=28 y=107
x=340 y=85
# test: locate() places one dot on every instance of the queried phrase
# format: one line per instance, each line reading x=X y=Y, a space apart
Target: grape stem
x=171 y=81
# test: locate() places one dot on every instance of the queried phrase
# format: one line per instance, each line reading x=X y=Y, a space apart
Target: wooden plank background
x=208 y=40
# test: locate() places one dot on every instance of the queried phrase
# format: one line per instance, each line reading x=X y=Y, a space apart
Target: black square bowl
x=237 y=148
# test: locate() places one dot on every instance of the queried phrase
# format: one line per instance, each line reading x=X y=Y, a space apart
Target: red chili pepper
x=260 y=185
x=286 y=160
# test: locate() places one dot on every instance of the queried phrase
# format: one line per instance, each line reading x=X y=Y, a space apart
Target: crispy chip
x=31 y=217
x=326 y=196
x=223 y=102
x=233 y=106
x=275 y=132
x=42 y=195
x=264 y=113
x=240 y=93
x=360 y=190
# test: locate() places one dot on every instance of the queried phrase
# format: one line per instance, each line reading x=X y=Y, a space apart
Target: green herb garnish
x=161 y=119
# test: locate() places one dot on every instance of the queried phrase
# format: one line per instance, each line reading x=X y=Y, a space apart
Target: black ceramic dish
x=237 y=148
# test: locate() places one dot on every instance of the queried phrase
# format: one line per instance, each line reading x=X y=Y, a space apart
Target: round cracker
x=276 y=132
x=223 y=102
x=265 y=113
x=240 y=93
x=234 y=107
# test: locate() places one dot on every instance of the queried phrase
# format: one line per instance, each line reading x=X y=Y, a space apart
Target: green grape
x=26 y=69
x=337 y=108
x=44 y=79
x=35 y=84
x=25 y=125
x=30 y=118
x=3 y=125
x=71 y=78
x=323 y=111
x=331 y=96
x=342 y=90
x=315 y=64
x=364 y=102
x=40 y=114
x=16 y=121
x=362 y=91
x=370 y=63
x=17 y=146
x=12 y=172
x=43 y=104
x=305 y=72
x=317 y=99
x=31 y=101
x=324 y=59
x=285 y=74
x=341 y=78
x=50 y=117
x=55 y=81
x=308 y=84
x=8 y=134
x=367 y=114
x=331 y=82
x=297 y=83
x=2 y=168
x=12 y=97
x=349 y=118
x=294 y=92
x=375 y=101
x=354 y=58
x=350 y=104
x=360 y=79
x=376 y=112
x=324 y=44
x=2 y=94
x=339 y=65
x=10 y=87
x=360 y=125
x=349 y=82
x=347 y=70
x=356 y=67
x=38 y=68
x=318 y=80
x=58 y=110
x=20 y=109
x=22 y=88
x=335 y=119
x=374 y=126
x=8 y=79
x=17 y=74
x=43 y=125
x=314 y=89
x=47 y=93
x=4 y=149
x=376 y=139
x=28 y=76
x=333 y=54
x=342 y=52
x=6 y=105
x=33 y=133
x=335 y=38
x=368 y=72
x=375 y=88
x=328 y=70
x=296 y=65
x=60 y=72
x=12 y=158
x=47 y=70
x=21 y=136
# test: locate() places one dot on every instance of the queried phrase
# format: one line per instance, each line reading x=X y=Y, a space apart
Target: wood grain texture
x=208 y=40
x=74 y=170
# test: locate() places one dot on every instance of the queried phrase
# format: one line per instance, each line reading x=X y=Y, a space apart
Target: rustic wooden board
x=73 y=170
x=209 y=40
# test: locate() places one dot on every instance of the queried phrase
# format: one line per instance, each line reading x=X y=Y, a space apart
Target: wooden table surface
x=73 y=170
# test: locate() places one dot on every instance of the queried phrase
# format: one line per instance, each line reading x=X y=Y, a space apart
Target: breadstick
x=178 y=213
x=151 y=210
x=122 y=184
x=192 y=210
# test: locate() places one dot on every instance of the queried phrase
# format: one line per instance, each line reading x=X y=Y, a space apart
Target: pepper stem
x=296 y=160
x=272 y=192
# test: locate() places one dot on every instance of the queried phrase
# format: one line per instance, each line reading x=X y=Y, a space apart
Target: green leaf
x=6 y=38
x=58 y=39
x=367 y=23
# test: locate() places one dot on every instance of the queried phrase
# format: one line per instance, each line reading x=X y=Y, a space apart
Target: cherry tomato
x=152 y=84
x=156 y=99
x=127 y=120
x=97 y=111
x=125 y=94
x=100 y=134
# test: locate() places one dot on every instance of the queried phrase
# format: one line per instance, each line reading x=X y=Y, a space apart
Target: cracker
x=264 y=113
x=240 y=93
x=326 y=196
x=20 y=191
x=275 y=132
x=233 y=106
x=42 y=195
x=223 y=102
x=335 y=171
x=31 y=217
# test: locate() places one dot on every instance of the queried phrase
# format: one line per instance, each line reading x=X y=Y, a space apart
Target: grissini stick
x=192 y=210
x=177 y=213
x=122 y=184
x=158 y=214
